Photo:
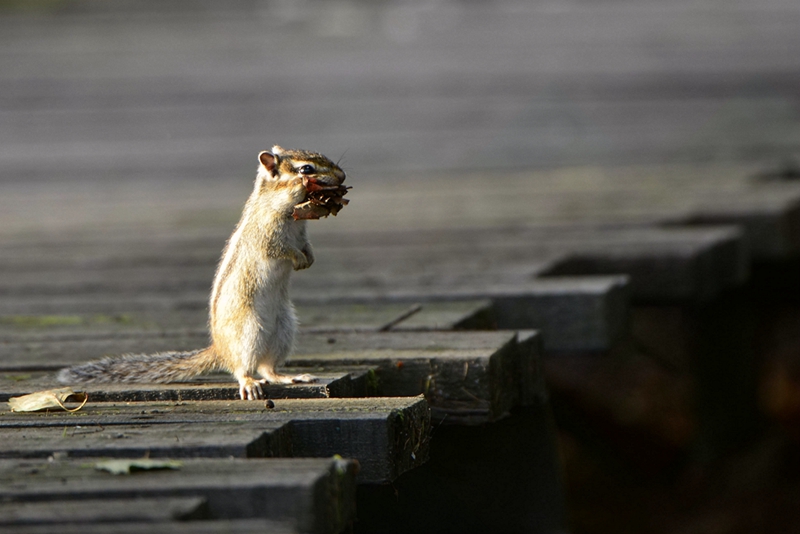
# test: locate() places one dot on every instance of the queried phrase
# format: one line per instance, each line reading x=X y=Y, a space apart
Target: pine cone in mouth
x=322 y=200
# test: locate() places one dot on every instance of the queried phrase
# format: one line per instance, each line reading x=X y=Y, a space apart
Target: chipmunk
x=251 y=319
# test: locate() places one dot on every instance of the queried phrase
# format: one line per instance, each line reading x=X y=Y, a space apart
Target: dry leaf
x=126 y=467
x=50 y=399
x=322 y=200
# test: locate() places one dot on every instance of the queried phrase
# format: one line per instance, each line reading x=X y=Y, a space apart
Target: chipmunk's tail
x=153 y=368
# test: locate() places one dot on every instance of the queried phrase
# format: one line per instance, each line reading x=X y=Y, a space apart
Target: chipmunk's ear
x=270 y=162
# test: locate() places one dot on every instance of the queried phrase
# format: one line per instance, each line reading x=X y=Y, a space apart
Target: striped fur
x=251 y=319
x=157 y=368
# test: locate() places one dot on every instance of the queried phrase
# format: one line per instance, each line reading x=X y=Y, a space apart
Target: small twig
x=403 y=316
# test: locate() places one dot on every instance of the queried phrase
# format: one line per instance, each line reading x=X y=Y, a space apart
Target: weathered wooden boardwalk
x=601 y=197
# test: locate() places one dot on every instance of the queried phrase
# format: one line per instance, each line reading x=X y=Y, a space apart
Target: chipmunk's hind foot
x=304 y=379
x=276 y=378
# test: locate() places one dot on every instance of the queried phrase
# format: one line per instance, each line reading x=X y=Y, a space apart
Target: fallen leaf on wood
x=50 y=399
x=126 y=467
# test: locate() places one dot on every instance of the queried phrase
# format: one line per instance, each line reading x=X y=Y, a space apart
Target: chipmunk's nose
x=334 y=177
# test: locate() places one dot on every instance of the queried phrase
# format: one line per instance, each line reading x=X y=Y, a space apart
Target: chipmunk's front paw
x=250 y=389
x=302 y=261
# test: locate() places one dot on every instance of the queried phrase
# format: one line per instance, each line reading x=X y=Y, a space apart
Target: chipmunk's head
x=289 y=166
x=286 y=173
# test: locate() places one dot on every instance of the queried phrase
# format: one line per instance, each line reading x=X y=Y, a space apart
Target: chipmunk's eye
x=307 y=169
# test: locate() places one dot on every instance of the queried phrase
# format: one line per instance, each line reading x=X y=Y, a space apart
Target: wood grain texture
x=243 y=526
x=387 y=436
x=316 y=495
x=466 y=377
x=28 y=377
x=104 y=511
x=470 y=376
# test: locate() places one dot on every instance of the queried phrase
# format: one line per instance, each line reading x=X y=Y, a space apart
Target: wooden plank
x=317 y=495
x=216 y=440
x=377 y=316
x=240 y=526
x=586 y=313
x=86 y=324
x=663 y=263
x=767 y=211
x=103 y=511
x=770 y=224
x=470 y=376
x=102 y=305
x=345 y=381
x=442 y=315
x=574 y=313
x=695 y=265
x=388 y=436
x=592 y=197
x=396 y=441
x=374 y=316
x=466 y=377
x=31 y=354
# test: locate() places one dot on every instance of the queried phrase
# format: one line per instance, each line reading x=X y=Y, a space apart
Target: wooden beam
x=317 y=495
x=146 y=510
x=466 y=376
x=387 y=436
x=212 y=526
x=25 y=377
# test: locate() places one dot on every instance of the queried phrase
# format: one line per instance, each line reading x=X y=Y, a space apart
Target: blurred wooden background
x=124 y=111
